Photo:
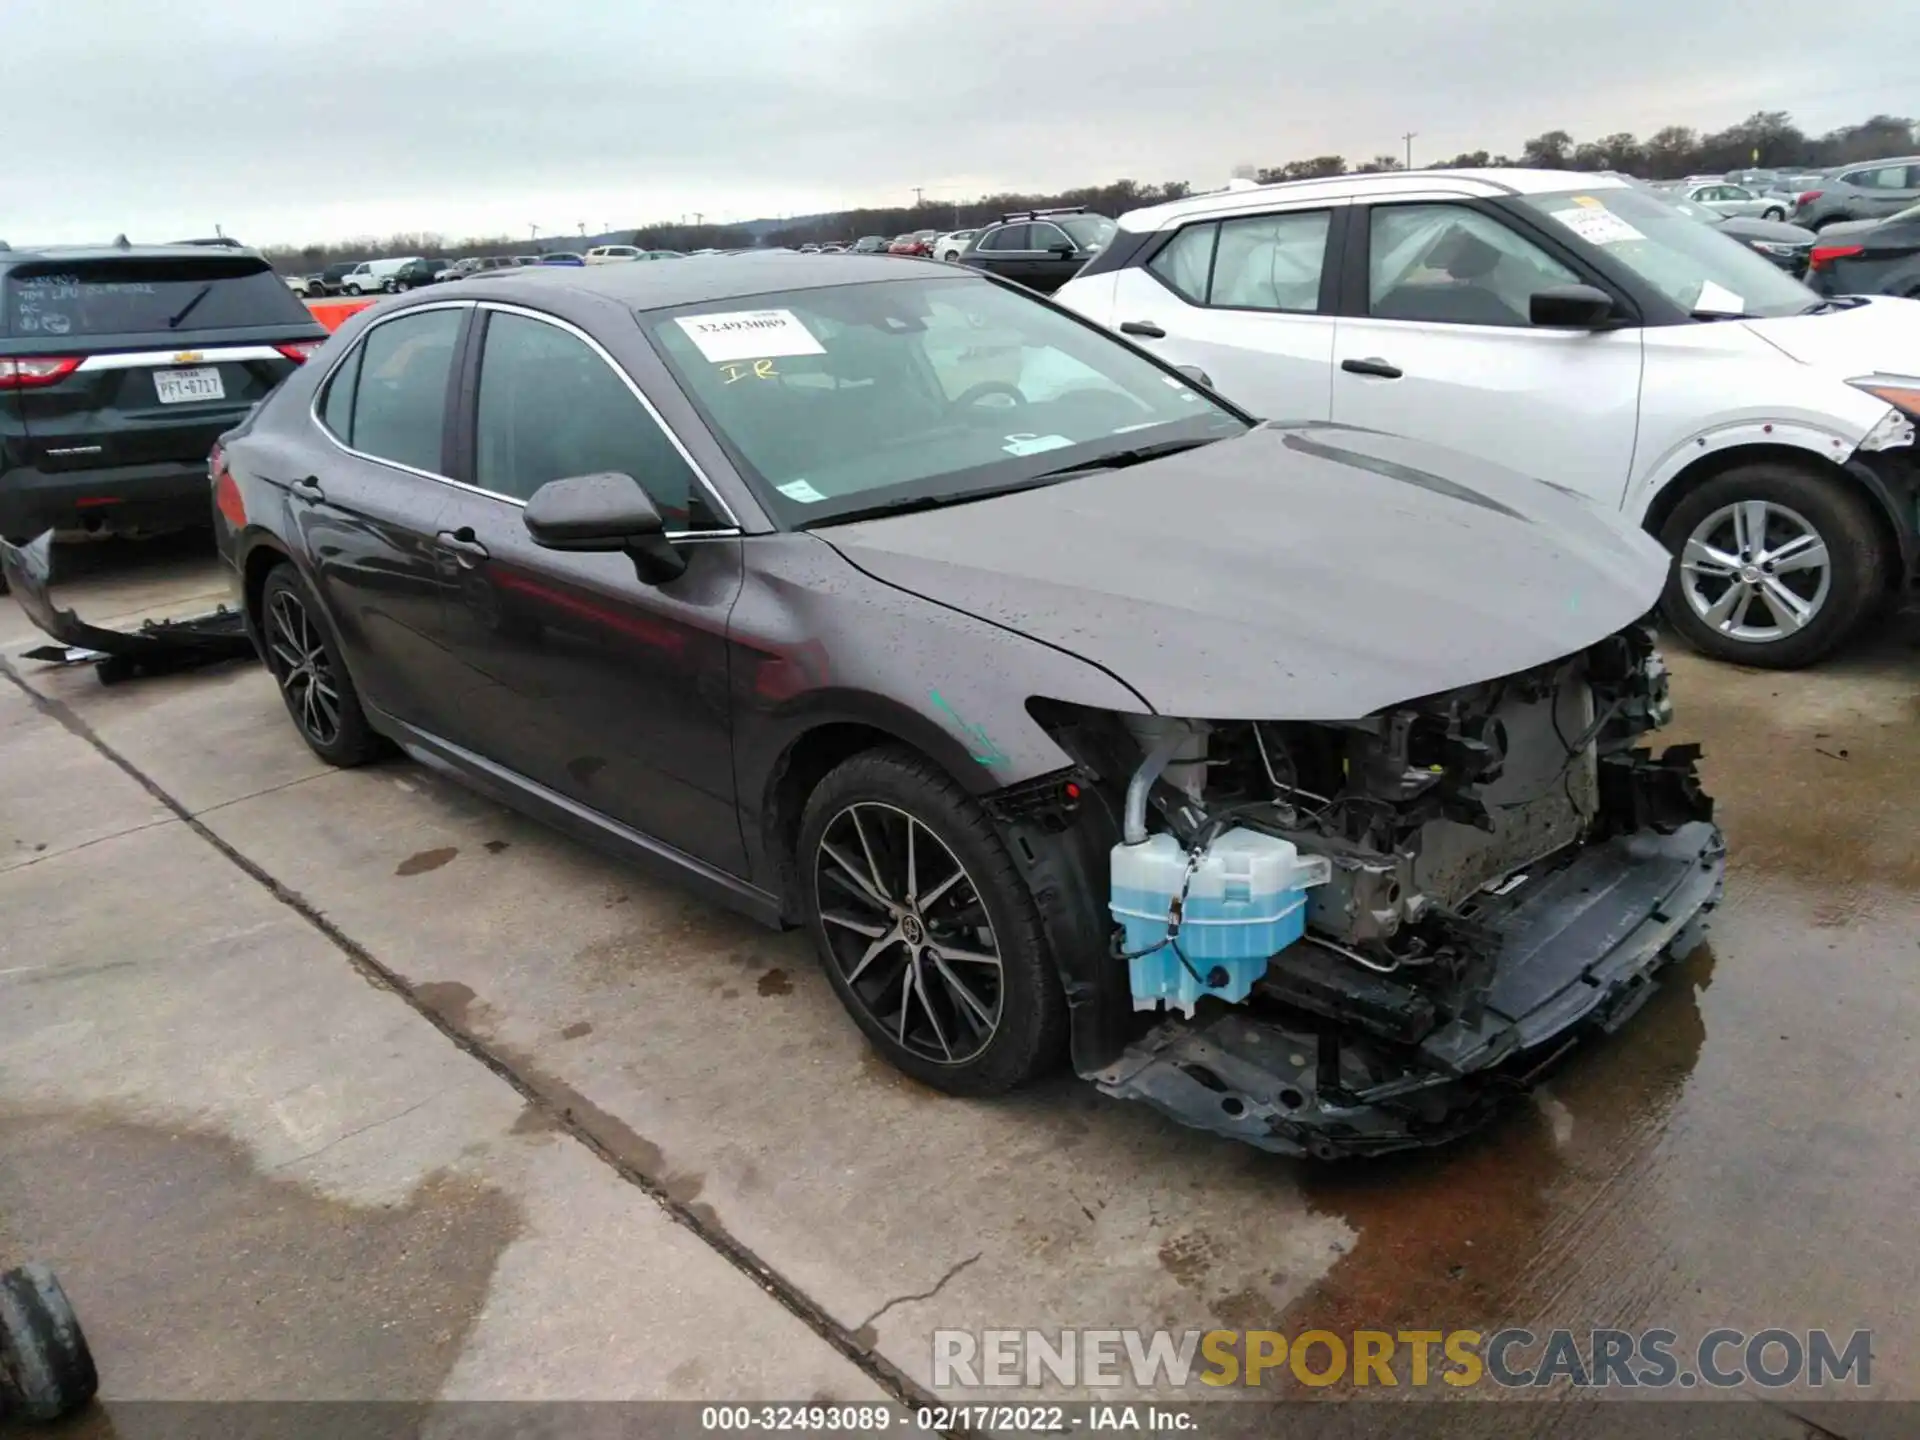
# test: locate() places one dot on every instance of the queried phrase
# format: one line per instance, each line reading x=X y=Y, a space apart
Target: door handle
x=1142 y=327
x=1372 y=365
x=307 y=489
x=462 y=542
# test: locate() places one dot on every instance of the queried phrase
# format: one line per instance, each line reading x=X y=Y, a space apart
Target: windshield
x=1697 y=267
x=1089 y=232
x=849 y=398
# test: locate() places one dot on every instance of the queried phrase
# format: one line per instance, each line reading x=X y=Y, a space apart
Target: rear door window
x=400 y=401
x=1271 y=262
x=1185 y=263
x=1007 y=237
x=136 y=296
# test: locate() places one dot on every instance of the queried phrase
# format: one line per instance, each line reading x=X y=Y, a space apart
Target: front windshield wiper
x=1118 y=459
x=173 y=322
x=908 y=504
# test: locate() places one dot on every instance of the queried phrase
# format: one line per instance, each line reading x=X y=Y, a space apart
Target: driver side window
x=550 y=407
x=1450 y=265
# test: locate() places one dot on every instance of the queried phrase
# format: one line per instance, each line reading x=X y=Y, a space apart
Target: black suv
x=1042 y=249
x=335 y=276
x=414 y=274
x=119 y=367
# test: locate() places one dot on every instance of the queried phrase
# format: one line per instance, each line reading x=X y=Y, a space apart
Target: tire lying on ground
x=46 y=1370
x=1775 y=565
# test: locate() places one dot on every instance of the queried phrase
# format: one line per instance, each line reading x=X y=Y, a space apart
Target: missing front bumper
x=1577 y=949
x=157 y=647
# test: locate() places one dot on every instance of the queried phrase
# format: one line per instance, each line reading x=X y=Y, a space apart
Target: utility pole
x=918 y=194
x=583 y=228
x=699 y=216
x=533 y=231
x=1409 y=137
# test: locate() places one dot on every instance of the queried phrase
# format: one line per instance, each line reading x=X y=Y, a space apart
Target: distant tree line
x=1767 y=138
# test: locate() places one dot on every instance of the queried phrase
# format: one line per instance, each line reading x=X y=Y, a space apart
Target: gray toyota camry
x=1290 y=778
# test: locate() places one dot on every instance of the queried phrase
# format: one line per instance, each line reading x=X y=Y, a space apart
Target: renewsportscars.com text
x=1511 y=1358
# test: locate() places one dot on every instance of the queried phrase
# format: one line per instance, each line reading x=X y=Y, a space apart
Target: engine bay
x=1472 y=867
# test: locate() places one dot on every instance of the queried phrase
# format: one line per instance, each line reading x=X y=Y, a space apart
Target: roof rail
x=224 y=241
x=1037 y=214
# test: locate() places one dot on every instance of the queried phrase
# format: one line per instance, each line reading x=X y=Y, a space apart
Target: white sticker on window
x=1597 y=227
x=750 y=335
x=800 y=490
x=1718 y=300
x=1033 y=444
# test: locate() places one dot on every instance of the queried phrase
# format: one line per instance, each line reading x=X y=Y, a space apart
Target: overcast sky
x=296 y=120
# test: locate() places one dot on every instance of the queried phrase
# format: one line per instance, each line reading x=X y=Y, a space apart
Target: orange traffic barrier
x=334 y=313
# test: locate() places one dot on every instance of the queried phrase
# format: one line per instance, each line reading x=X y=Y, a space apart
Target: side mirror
x=605 y=512
x=1063 y=250
x=1197 y=375
x=1571 y=307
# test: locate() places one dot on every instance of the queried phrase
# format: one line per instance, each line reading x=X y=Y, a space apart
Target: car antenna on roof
x=120 y=242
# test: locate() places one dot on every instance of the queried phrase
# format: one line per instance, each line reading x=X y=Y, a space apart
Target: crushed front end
x=1488 y=875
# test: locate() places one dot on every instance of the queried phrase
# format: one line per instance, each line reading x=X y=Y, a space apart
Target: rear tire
x=46 y=1370
x=900 y=872
x=304 y=660
x=1774 y=565
x=1776 y=213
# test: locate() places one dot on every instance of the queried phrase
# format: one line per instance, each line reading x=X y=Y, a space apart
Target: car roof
x=700 y=278
x=1483 y=183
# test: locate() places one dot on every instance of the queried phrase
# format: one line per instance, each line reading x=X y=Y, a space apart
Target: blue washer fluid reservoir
x=1245 y=901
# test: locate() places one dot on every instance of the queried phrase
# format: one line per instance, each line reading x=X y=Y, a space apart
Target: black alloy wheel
x=926 y=929
x=313 y=681
x=909 y=934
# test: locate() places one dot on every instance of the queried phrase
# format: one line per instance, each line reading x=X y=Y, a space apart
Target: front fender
x=1831 y=444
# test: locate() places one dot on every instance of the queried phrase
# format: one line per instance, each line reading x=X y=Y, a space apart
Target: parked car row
x=399 y=274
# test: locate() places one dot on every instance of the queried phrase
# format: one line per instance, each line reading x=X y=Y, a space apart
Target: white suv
x=1578 y=329
x=613 y=254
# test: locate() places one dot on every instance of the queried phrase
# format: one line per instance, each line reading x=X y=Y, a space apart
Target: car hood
x=1879 y=333
x=1748 y=227
x=1296 y=572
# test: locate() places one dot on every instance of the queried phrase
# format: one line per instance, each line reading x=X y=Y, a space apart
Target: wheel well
x=799 y=772
x=1721 y=461
x=260 y=560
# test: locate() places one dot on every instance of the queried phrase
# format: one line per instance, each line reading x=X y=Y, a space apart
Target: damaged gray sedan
x=1292 y=779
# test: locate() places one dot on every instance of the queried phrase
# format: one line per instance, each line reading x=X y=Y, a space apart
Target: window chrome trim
x=313 y=404
x=706 y=484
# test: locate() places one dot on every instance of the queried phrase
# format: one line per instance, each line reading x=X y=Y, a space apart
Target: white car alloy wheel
x=1756 y=571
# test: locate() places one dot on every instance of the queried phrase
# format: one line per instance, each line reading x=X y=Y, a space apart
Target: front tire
x=1774 y=565
x=305 y=663
x=1776 y=213
x=926 y=931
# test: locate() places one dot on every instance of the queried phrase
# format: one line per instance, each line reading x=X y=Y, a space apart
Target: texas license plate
x=183 y=387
